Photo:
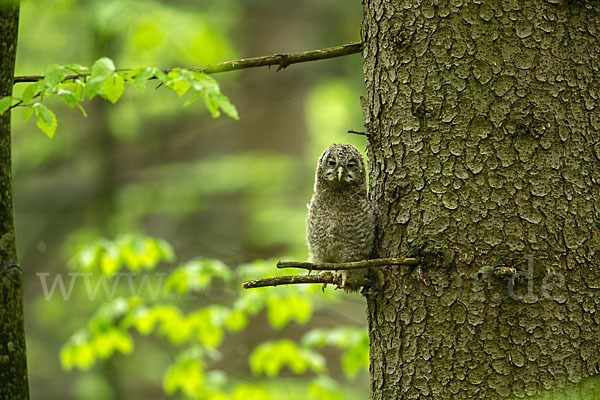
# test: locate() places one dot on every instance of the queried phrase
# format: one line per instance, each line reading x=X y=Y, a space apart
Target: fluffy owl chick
x=341 y=222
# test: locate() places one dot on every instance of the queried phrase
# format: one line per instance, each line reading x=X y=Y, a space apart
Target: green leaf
x=5 y=103
x=68 y=97
x=251 y=302
x=324 y=388
x=356 y=358
x=236 y=321
x=138 y=77
x=187 y=375
x=172 y=324
x=131 y=250
x=30 y=92
x=107 y=342
x=177 y=82
x=160 y=75
x=46 y=120
x=196 y=275
x=354 y=340
x=28 y=113
x=192 y=98
x=179 y=86
x=55 y=74
x=142 y=318
x=102 y=69
x=281 y=310
x=270 y=357
x=79 y=89
x=250 y=392
x=340 y=337
x=77 y=352
x=207 y=325
x=111 y=311
x=211 y=103
x=226 y=105
x=80 y=69
x=102 y=338
x=112 y=87
x=205 y=82
x=110 y=261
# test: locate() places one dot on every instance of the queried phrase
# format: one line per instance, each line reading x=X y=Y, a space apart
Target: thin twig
x=379 y=262
x=358 y=132
x=282 y=60
x=300 y=279
x=18 y=103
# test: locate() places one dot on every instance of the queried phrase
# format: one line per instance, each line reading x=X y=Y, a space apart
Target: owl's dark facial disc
x=332 y=168
x=340 y=168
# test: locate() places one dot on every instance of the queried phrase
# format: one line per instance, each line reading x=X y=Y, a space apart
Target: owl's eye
x=331 y=162
x=351 y=164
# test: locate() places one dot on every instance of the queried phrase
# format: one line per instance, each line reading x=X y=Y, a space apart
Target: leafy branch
x=106 y=81
x=198 y=334
x=74 y=83
x=282 y=60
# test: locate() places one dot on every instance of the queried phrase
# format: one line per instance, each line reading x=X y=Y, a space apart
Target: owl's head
x=341 y=165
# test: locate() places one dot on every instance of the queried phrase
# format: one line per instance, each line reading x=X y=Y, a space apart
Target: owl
x=341 y=221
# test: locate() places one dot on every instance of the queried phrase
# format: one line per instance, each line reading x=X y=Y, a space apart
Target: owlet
x=341 y=222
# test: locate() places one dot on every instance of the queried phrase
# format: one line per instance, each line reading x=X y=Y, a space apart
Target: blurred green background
x=234 y=191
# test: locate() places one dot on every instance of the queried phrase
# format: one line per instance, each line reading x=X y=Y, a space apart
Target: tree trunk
x=484 y=152
x=13 y=358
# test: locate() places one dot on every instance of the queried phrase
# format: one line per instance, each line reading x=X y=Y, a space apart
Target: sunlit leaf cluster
x=354 y=341
x=134 y=252
x=167 y=178
x=196 y=275
x=270 y=357
x=198 y=334
x=74 y=83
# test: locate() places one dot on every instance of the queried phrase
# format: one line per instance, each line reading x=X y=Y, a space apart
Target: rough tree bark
x=484 y=145
x=13 y=359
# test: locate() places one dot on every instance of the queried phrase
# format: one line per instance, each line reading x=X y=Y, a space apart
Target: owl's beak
x=340 y=170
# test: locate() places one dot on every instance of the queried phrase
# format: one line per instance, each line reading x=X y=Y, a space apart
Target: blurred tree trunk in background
x=484 y=145
x=13 y=359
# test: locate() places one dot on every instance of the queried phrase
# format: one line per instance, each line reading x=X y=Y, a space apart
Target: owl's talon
x=340 y=278
x=323 y=274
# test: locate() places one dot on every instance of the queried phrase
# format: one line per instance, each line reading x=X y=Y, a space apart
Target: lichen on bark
x=483 y=121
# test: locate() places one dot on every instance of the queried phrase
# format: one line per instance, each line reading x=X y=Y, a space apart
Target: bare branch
x=35 y=78
x=358 y=132
x=379 y=262
x=327 y=278
x=301 y=279
x=282 y=60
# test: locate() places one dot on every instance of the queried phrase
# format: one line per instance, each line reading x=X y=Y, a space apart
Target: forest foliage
x=74 y=83
x=196 y=335
x=114 y=311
